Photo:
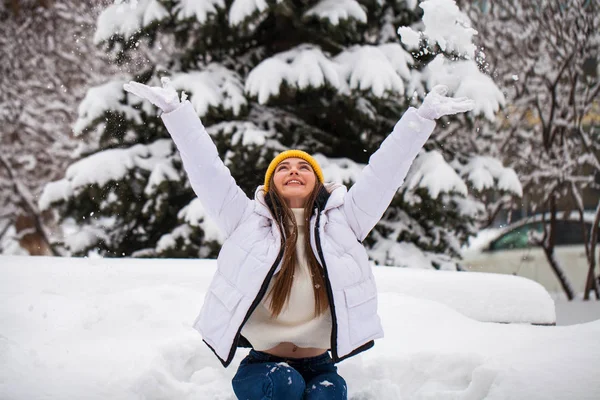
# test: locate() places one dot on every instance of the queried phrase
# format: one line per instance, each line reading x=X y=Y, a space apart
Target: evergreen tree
x=330 y=77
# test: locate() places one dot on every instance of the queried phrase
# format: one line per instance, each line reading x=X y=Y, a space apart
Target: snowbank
x=120 y=329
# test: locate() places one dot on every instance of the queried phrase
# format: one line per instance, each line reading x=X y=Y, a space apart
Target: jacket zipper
x=317 y=236
x=257 y=299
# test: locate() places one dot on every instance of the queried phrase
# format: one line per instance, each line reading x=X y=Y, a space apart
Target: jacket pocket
x=225 y=292
x=219 y=306
x=361 y=302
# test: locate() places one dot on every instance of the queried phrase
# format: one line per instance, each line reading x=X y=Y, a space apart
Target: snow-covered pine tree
x=330 y=77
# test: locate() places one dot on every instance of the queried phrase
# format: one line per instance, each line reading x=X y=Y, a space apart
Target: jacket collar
x=262 y=207
x=330 y=197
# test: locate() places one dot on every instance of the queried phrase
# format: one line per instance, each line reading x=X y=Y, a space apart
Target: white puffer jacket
x=252 y=250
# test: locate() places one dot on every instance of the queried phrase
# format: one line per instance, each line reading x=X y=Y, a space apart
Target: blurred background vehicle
x=515 y=249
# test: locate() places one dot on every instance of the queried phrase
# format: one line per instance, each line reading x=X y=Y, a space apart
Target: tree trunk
x=29 y=237
x=590 y=283
x=15 y=7
x=548 y=246
x=29 y=206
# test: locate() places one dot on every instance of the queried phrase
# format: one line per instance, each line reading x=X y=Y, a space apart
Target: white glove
x=164 y=97
x=436 y=104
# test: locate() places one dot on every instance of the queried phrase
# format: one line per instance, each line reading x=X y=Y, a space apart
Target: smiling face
x=294 y=180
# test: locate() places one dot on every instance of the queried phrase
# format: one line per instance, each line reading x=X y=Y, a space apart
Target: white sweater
x=297 y=322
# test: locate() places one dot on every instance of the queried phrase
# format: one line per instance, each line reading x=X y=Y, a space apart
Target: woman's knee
x=287 y=382
x=330 y=386
x=269 y=381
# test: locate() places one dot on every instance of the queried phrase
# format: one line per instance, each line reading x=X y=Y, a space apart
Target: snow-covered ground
x=120 y=329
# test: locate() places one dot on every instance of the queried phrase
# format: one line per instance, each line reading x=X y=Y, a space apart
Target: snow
x=339 y=169
x=430 y=171
x=311 y=68
x=169 y=241
x=154 y=12
x=195 y=215
x=336 y=10
x=483 y=171
x=9 y=242
x=100 y=99
x=200 y=10
x=469 y=207
x=409 y=37
x=215 y=86
x=447 y=26
x=110 y=165
x=86 y=236
x=464 y=79
x=266 y=78
x=247 y=132
x=482 y=239
x=378 y=69
x=162 y=171
x=126 y=18
x=367 y=68
x=406 y=254
x=480 y=296
x=399 y=58
x=242 y=9
x=304 y=66
x=121 y=329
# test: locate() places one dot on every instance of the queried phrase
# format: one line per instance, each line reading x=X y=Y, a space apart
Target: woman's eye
x=304 y=167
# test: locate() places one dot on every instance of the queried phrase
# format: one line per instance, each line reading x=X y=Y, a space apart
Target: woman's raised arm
x=371 y=194
x=211 y=180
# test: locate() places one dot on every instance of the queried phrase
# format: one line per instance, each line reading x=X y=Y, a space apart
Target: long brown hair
x=282 y=285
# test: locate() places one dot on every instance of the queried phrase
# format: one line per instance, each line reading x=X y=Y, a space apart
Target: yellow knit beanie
x=292 y=154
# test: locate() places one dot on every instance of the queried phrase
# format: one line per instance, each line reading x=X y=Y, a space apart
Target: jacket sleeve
x=371 y=194
x=211 y=180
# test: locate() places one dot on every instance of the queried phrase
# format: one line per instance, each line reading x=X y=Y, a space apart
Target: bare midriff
x=290 y=350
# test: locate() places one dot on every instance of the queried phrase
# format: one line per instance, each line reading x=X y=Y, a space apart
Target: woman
x=293 y=279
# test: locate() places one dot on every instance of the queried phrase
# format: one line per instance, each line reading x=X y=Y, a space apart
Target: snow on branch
x=195 y=215
x=336 y=10
x=216 y=86
x=378 y=69
x=339 y=169
x=245 y=133
x=430 y=171
x=368 y=68
x=106 y=166
x=483 y=173
x=127 y=18
x=445 y=25
x=200 y=10
x=464 y=79
x=400 y=59
x=88 y=235
x=303 y=67
x=242 y=9
x=99 y=99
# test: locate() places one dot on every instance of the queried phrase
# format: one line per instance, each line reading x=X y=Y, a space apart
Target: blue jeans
x=262 y=376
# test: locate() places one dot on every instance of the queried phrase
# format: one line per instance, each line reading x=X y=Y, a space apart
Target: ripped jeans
x=262 y=376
